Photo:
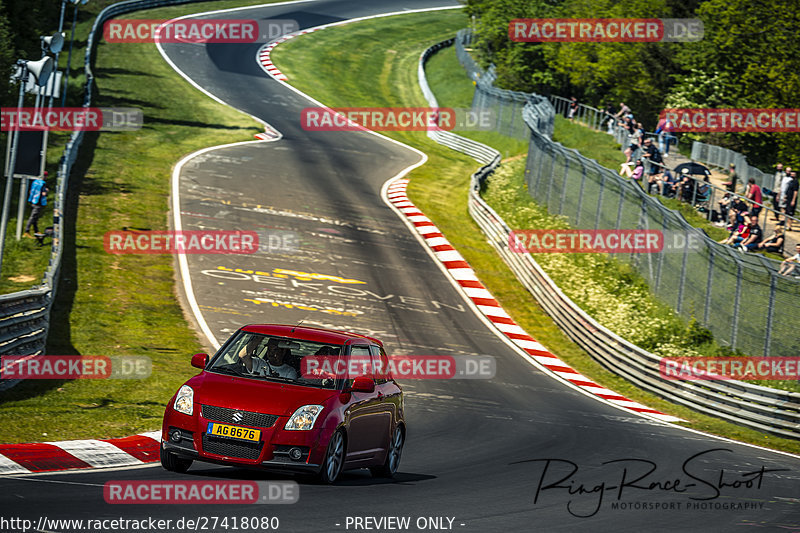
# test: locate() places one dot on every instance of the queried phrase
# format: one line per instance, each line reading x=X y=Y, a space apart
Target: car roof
x=307 y=333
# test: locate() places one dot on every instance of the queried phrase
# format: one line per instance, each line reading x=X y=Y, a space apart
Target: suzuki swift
x=262 y=401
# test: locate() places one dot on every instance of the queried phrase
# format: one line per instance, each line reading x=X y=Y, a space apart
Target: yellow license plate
x=234 y=432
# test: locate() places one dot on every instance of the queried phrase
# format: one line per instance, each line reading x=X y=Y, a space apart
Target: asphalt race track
x=475 y=447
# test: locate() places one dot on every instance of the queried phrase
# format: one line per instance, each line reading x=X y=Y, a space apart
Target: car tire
x=334 y=458
x=389 y=467
x=173 y=463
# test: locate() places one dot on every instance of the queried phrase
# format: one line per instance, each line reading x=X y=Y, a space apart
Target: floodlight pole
x=12 y=164
x=69 y=55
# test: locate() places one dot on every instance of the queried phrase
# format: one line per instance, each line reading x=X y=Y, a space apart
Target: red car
x=262 y=401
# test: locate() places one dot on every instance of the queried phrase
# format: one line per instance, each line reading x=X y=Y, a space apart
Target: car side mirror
x=362 y=384
x=200 y=360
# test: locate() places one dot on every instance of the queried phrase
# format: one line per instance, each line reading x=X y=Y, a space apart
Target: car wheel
x=334 y=459
x=173 y=463
x=389 y=467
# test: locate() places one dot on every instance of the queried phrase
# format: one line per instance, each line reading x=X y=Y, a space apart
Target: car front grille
x=231 y=448
x=248 y=418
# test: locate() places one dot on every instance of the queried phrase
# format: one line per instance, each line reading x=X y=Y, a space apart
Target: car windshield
x=257 y=356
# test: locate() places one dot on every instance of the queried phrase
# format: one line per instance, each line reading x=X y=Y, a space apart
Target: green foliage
x=749 y=58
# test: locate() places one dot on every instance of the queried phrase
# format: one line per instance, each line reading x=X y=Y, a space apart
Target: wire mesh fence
x=740 y=298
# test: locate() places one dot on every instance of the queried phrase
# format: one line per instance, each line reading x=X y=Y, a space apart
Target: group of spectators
x=742 y=216
x=739 y=215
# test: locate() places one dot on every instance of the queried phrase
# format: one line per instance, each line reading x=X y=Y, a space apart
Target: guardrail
x=25 y=315
x=757 y=407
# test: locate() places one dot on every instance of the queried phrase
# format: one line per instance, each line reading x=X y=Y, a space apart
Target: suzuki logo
x=237 y=416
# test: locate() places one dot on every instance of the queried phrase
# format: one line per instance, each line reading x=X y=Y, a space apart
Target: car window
x=257 y=356
x=360 y=362
x=381 y=364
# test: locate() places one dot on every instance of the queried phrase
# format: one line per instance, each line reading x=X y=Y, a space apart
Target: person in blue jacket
x=37 y=198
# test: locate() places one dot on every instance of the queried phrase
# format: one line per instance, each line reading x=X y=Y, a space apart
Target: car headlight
x=304 y=418
x=184 y=401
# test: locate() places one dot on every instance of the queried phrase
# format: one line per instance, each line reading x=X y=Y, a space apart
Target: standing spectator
x=789 y=199
x=609 y=111
x=654 y=156
x=664 y=130
x=730 y=185
x=782 y=191
x=37 y=198
x=573 y=108
x=776 y=189
x=789 y=265
x=634 y=140
x=753 y=193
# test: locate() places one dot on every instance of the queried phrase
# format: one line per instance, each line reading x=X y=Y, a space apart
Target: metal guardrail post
x=773 y=283
x=579 y=209
x=736 y=303
x=600 y=201
x=709 y=287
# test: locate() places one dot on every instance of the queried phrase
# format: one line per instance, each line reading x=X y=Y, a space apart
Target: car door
x=369 y=422
x=389 y=393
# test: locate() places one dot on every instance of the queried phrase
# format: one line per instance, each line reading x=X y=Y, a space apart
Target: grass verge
x=123 y=304
x=387 y=50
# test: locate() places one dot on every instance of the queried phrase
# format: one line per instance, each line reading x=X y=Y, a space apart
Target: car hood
x=269 y=397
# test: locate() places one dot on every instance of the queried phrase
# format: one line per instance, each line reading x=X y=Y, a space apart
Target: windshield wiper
x=226 y=369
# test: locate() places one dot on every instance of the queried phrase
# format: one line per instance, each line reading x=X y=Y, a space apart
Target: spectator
x=669 y=184
x=737 y=235
x=789 y=200
x=754 y=237
x=782 y=190
x=753 y=193
x=730 y=185
x=653 y=155
x=687 y=187
x=776 y=189
x=664 y=130
x=635 y=174
x=789 y=265
x=609 y=111
x=774 y=243
x=635 y=136
x=736 y=213
x=624 y=111
x=37 y=198
x=573 y=108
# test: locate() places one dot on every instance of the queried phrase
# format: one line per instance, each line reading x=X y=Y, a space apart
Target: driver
x=248 y=356
x=275 y=357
